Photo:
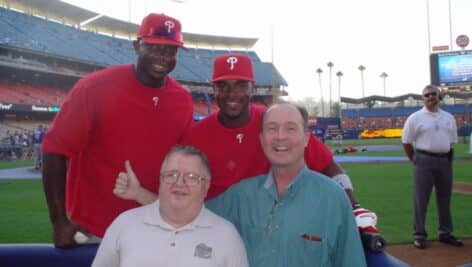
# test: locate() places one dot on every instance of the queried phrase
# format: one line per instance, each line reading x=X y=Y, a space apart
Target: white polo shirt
x=140 y=237
x=430 y=131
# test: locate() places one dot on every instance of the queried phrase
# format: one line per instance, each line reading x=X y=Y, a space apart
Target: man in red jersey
x=136 y=112
x=230 y=137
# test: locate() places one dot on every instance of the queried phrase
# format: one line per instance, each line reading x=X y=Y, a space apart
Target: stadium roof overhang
x=222 y=41
x=53 y=9
x=458 y=95
x=70 y=14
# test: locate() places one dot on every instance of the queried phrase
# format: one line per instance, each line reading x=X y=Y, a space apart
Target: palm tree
x=319 y=71
x=339 y=74
x=362 y=69
x=384 y=76
x=330 y=66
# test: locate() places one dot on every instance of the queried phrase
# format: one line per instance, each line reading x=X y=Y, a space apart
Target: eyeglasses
x=430 y=94
x=189 y=178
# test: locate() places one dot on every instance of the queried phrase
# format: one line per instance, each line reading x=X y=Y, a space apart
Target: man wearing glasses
x=427 y=139
x=176 y=230
x=230 y=137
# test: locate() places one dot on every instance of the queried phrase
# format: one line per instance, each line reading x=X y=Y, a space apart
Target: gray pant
x=432 y=171
x=38 y=155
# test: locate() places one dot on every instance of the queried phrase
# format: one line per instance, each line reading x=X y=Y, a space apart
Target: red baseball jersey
x=107 y=118
x=235 y=154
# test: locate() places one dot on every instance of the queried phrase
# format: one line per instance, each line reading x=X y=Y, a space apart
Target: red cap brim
x=233 y=77
x=152 y=40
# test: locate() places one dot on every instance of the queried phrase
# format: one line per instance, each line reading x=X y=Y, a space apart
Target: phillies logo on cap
x=231 y=61
x=170 y=25
x=160 y=29
x=232 y=66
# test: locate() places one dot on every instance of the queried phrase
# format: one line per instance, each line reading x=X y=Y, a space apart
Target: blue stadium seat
x=375 y=112
x=350 y=113
x=38 y=34
x=454 y=109
x=404 y=111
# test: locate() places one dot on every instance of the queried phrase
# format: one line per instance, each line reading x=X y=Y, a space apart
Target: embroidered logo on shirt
x=240 y=137
x=203 y=251
x=155 y=99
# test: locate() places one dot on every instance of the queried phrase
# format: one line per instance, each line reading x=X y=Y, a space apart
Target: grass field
x=384 y=188
x=15 y=164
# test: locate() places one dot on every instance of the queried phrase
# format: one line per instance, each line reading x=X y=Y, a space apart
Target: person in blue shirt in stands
x=291 y=216
x=36 y=140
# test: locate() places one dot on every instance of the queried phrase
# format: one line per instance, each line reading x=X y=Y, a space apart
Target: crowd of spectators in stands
x=19 y=144
x=390 y=122
x=31 y=95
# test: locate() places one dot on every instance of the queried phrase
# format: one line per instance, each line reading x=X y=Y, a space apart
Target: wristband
x=344 y=180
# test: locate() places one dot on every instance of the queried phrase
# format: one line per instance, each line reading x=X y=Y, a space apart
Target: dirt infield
x=435 y=254
x=462 y=188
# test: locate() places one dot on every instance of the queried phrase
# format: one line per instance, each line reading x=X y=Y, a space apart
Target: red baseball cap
x=232 y=67
x=160 y=29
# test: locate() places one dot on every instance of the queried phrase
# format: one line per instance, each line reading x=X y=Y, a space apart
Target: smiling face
x=154 y=62
x=233 y=98
x=283 y=136
x=179 y=196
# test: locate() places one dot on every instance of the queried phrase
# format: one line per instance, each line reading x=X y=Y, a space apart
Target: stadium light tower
x=330 y=66
x=339 y=74
x=362 y=69
x=319 y=71
x=384 y=76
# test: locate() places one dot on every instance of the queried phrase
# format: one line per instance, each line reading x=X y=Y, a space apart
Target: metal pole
x=429 y=27
x=450 y=24
x=385 y=90
x=339 y=98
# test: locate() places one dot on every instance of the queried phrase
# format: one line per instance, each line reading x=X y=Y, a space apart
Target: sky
x=300 y=36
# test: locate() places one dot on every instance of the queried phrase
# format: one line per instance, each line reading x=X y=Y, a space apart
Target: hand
x=63 y=233
x=127 y=185
x=366 y=220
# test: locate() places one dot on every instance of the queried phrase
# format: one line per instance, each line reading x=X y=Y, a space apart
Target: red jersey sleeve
x=69 y=131
x=317 y=155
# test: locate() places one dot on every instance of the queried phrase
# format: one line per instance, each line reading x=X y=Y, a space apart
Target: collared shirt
x=140 y=237
x=310 y=224
x=430 y=131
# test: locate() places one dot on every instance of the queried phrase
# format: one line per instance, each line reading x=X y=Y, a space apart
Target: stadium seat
x=38 y=34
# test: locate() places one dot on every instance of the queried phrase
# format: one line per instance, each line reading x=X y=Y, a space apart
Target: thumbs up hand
x=127 y=185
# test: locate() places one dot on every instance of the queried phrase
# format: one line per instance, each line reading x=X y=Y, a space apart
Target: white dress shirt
x=430 y=131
